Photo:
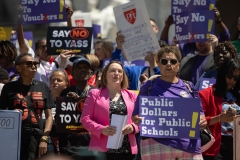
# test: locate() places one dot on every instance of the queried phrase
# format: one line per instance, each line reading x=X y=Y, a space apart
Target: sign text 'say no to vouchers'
x=42 y=11
x=133 y=21
x=194 y=20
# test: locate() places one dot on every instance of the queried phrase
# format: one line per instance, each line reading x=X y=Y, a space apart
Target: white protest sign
x=10 y=134
x=133 y=21
x=80 y=19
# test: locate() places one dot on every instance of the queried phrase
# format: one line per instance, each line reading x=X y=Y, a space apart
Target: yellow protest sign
x=5 y=33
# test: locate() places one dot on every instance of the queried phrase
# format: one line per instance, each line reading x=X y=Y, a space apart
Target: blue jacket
x=133 y=72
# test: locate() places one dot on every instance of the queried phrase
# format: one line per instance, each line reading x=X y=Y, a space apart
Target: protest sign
x=44 y=11
x=76 y=39
x=27 y=35
x=206 y=82
x=133 y=21
x=10 y=134
x=179 y=6
x=169 y=117
x=96 y=32
x=80 y=19
x=68 y=113
x=126 y=63
x=5 y=33
x=194 y=20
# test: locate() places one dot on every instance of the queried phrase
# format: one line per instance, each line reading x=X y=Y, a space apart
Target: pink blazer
x=95 y=117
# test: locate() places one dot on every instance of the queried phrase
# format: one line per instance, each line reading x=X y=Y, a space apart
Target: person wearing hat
x=81 y=72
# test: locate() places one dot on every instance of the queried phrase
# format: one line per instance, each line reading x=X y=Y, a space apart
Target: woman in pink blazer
x=112 y=98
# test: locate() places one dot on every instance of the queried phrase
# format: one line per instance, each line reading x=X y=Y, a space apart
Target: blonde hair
x=93 y=60
x=124 y=83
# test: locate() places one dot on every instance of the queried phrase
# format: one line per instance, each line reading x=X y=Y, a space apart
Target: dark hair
x=169 y=49
x=227 y=46
x=162 y=43
x=4 y=75
x=37 y=43
x=227 y=68
x=124 y=84
x=18 y=60
x=65 y=76
x=8 y=50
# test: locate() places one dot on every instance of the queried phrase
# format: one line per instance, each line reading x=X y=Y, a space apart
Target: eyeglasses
x=165 y=61
x=235 y=78
x=42 y=47
x=31 y=63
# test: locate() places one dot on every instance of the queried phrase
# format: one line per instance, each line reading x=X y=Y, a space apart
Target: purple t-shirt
x=12 y=74
x=198 y=68
x=166 y=89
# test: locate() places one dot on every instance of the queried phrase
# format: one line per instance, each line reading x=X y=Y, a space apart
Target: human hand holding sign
x=119 y=40
x=64 y=55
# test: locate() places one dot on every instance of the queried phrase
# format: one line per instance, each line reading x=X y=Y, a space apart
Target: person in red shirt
x=215 y=101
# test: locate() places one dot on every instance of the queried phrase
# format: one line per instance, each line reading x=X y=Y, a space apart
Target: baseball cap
x=81 y=59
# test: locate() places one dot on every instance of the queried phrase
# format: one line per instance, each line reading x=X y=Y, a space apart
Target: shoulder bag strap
x=32 y=108
x=189 y=88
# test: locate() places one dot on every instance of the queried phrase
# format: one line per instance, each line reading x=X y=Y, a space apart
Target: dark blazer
x=188 y=62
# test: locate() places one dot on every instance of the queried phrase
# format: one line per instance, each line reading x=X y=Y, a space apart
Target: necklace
x=84 y=92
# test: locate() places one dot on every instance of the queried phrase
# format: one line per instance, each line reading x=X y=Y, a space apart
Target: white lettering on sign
x=181 y=2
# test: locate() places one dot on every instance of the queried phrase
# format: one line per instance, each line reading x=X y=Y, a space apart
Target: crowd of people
x=31 y=81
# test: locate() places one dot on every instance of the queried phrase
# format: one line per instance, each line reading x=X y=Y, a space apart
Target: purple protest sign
x=27 y=35
x=44 y=11
x=169 y=117
x=13 y=38
x=126 y=63
x=206 y=82
x=96 y=31
x=179 y=6
x=194 y=26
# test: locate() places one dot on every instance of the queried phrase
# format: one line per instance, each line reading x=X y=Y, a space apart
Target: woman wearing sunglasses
x=216 y=101
x=31 y=98
x=169 y=85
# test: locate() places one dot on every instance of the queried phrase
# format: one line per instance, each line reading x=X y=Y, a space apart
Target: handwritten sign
x=68 y=113
x=77 y=39
x=133 y=21
x=194 y=20
x=169 y=117
x=5 y=33
x=42 y=11
x=206 y=82
x=126 y=63
x=10 y=134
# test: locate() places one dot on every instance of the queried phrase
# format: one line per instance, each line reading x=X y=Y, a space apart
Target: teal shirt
x=237 y=46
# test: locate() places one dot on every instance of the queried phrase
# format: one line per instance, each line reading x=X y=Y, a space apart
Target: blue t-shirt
x=179 y=90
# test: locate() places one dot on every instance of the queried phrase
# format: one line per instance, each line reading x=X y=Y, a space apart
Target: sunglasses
x=235 y=78
x=31 y=63
x=165 y=61
x=42 y=47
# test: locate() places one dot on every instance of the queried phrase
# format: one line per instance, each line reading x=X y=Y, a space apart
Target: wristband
x=44 y=139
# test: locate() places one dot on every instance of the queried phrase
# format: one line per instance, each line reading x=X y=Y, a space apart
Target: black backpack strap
x=151 y=79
